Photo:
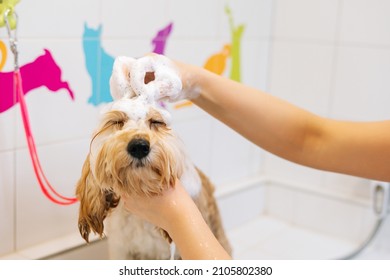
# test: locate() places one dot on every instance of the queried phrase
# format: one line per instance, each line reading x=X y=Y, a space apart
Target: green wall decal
x=236 y=35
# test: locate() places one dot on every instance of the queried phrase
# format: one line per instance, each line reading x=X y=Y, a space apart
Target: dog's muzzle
x=138 y=148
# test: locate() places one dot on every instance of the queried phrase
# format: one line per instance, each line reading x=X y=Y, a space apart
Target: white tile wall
x=306 y=19
x=124 y=46
x=8 y=130
x=301 y=74
x=35 y=214
x=352 y=186
x=230 y=155
x=338 y=217
x=382 y=242
x=133 y=19
x=56 y=19
x=331 y=58
x=365 y=21
x=328 y=216
x=255 y=63
x=7 y=203
x=256 y=15
x=280 y=203
x=276 y=167
x=204 y=15
x=195 y=135
x=362 y=84
x=233 y=211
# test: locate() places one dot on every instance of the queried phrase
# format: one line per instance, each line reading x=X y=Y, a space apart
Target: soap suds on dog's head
x=120 y=78
x=134 y=95
x=137 y=108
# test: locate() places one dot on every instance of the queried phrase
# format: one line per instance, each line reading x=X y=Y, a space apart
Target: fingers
x=120 y=78
x=153 y=77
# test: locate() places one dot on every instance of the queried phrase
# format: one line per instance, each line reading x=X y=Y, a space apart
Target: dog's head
x=133 y=151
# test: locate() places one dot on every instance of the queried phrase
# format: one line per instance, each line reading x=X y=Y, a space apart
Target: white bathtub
x=267 y=219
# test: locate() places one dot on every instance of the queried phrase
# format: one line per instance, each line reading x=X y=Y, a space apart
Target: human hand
x=153 y=77
x=161 y=210
x=176 y=213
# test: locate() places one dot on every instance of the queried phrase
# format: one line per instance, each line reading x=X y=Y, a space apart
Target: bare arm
x=354 y=148
x=176 y=212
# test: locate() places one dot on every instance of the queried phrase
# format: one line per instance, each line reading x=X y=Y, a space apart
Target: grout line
x=14 y=198
x=265 y=182
x=330 y=43
x=271 y=46
x=335 y=60
x=271 y=37
x=47 y=144
x=323 y=192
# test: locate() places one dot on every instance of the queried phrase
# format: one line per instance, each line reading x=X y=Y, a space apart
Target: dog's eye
x=117 y=123
x=156 y=123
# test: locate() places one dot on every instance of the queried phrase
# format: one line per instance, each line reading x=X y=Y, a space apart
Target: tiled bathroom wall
x=83 y=38
x=331 y=58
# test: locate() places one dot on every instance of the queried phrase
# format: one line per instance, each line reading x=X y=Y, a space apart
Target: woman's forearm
x=193 y=237
x=354 y=148
x=267 y=121
x=176 y=212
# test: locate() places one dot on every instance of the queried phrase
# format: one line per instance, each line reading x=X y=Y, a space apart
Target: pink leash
x=44 y=183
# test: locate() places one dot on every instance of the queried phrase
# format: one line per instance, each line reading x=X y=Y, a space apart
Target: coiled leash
x=11 y=23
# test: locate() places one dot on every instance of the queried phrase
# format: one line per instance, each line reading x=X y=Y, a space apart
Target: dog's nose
x=138 y=148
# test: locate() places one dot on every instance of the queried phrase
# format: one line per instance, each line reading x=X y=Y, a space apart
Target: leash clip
x=12 y=35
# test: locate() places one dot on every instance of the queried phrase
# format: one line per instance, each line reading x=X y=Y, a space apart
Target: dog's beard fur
x=110 y=170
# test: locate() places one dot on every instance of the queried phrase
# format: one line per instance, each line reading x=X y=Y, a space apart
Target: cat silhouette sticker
x=160 y=40
x=99 y=63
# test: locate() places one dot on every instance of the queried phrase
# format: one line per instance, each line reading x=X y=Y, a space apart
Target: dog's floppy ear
x=120 y=78
x=94 y=203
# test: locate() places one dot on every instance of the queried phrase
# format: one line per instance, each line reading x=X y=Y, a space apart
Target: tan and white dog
x=135 y=151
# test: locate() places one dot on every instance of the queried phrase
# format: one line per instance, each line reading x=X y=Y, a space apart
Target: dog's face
x=133 y=151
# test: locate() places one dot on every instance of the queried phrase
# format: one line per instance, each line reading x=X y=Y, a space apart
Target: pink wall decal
x=43 y=71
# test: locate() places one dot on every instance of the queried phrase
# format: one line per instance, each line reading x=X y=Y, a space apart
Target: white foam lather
x=128 y=78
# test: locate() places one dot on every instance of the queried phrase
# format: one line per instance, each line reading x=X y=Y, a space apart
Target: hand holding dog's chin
x=175 y=212
x=161 y=210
